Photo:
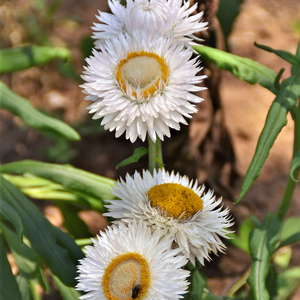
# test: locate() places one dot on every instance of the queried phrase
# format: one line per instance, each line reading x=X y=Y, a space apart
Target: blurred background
x=216 y=148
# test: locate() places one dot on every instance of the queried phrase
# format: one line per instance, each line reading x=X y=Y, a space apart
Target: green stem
x=83 y=242
x=291 y=184
x=35 y=295
x=152 y=154
x=159 y=156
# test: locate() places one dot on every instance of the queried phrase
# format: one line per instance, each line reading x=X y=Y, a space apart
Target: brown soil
x=244 y=110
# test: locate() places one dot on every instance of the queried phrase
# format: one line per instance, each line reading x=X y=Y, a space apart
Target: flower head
x=176 y=206
x=142 y=85
x=169 y=18
x=129 y=261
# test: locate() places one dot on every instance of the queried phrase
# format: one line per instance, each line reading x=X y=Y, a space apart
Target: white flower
x=129 y=262
x=142 y=85
x=177 y=206
x=168 y=18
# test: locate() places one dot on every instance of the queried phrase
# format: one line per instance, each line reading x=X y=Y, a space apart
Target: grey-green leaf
x=276 y=119
x=31 y=116
x=19 y=58
x=8 y=286
x=56 y=248
x=72 y=178
x=295 y=166
x=241 y=67
x=262 y=243
x=138 y=153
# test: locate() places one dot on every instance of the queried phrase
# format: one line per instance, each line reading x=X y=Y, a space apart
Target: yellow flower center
x=173 y=200
x=144 y=71
x=126 y=277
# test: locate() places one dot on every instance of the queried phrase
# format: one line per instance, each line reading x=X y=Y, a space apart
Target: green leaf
x=138 y=153
x=28 y=262
x=241 y=67
x=75 y=226
x=241 y=239
x=40 y=188
x=287 y=282
x=8 y=286
x=276 y=119
x=24 y=287
x=71 y=178
x=290 y=227
x=262 y=243
x=295 y=166
x=291 y=240
x=283 y=257
x=197 y=283
x=210 y=296
x=19 y=58
x=57 y=249
x=287 y=56
x=295 y=69
x=271 y=281
x=24 y=109
x=67 y=293
x=290 y=231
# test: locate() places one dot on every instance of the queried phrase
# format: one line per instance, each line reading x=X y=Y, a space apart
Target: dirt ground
x=244 y=110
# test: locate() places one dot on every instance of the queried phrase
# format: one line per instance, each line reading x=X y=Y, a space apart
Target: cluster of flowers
x=140 y=78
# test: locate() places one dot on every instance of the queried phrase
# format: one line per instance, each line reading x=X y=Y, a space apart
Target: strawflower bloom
x=142 y=85
x=176 y=206
x=129 y=261
x=169 y=18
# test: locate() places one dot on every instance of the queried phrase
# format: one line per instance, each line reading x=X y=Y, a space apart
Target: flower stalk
x=159 y=156
x=152 y=154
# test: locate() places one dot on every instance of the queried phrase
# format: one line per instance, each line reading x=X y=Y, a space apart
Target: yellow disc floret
x=124 y=274
x=173 y=200
x=144 y=71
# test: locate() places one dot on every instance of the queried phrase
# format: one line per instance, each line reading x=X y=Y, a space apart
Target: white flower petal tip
x=172 y=18
x=131 y=261
x=177 y=206
x=142 y=85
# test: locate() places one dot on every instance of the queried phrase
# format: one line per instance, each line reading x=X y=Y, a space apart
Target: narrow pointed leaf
x=19 y=58
x=295 y=69
x=295 y=166
x=262 y=243
x=8 y=286
x=31 y=116
x=57 y=249
x=72 y=178
x=276 y=119
x=241 y=67
x=138 y=153
x=287 y=56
